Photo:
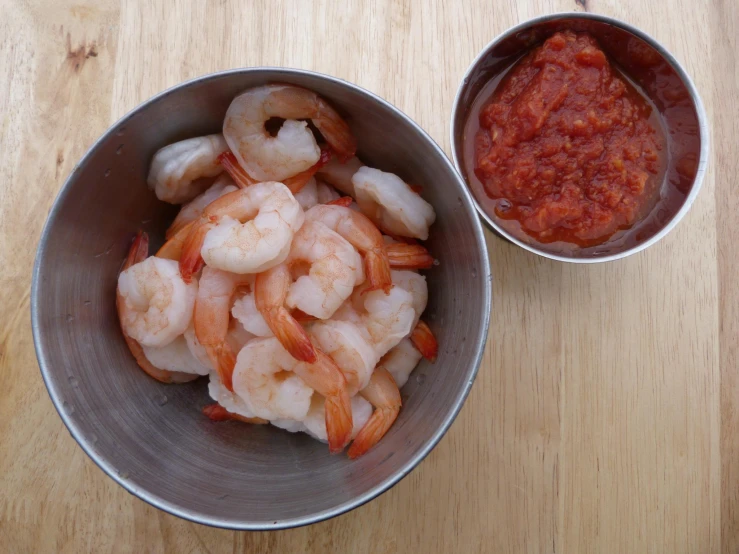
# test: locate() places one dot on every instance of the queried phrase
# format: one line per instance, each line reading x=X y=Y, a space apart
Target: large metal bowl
x=653 y=69
x=151 y=438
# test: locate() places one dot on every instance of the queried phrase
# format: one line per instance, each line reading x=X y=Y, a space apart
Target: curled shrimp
x=344 y=342
x=245 y=231
x=294 y=149
x=263 y=368
x=178 y=171
x=383 y=319
x=192 y=210
x=270 y=292
x=392 y=204
x=245 y=311
x=382 y=392
x=230 y=401
x=339 y=174
x=211 y=318
x=154 y=303
x=335 y=268
x=363 y=235
x=138 y=252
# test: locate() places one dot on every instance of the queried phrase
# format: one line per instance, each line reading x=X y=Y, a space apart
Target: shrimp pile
x=290 y=277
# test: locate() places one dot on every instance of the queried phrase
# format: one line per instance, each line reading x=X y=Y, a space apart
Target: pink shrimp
x=138 y=252
x=361 y=233
x=212 y=317
x=270 y=292
x=383 y=394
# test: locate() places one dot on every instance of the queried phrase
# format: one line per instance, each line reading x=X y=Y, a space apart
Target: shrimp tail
x=191 y=261
x=383 y=394
x=270 y=292
x=425 y=342
x=292 y=335
x=338 y=421
x=229 y=162
x=216 y=412
x=225 y=362
x=378 y=270
x=139 y=250
x=336 y=132
x=344 y=201
x=409 y=256
x=172 y=249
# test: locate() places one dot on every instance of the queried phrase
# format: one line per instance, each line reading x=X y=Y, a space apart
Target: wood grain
x=605 y=417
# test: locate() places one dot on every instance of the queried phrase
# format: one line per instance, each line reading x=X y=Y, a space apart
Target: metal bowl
x=652 y=69
x=151 y=438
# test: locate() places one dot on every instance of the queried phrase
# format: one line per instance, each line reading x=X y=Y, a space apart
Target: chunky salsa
x=567 y=145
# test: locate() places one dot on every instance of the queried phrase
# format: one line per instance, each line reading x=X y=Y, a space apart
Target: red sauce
x=567 y=146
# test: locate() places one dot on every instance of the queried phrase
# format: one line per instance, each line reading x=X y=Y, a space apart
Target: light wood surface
x=606 y=412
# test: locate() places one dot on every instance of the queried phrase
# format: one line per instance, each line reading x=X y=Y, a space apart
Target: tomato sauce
x=567 y=147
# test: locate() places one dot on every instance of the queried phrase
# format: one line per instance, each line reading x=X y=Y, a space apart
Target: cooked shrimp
x=315 y=421
x=392 y=204
x=212 y=317
x=192 y=210
x=344 y=342
x=335 y=269
x=416 y=285
x=401 y=360
x=307 y=196
x=276 y=386
x=175 y=356
x=339 y=174
x=362 y=234
x=155 y=304
x=294 y=149
x=270 y=292
x=216 y=412
x=382 y=392
x=383 y=319
x=137 y=254
x=425 y=342
x=325 y=193
x=177 y=171
x=245 y=231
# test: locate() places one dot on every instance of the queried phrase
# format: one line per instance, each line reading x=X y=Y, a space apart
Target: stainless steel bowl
x=151 y=438
x=653 y=69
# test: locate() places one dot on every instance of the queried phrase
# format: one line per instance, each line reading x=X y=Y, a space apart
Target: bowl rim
x=45 y=360
x=685 y=78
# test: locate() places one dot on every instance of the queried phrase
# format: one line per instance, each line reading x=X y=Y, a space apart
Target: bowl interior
x=652 y=70
x=152 y=437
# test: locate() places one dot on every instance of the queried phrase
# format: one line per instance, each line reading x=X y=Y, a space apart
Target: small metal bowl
x=652 y=69
x=151 y=438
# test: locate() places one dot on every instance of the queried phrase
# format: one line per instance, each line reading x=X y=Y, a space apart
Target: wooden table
x=606 y=412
